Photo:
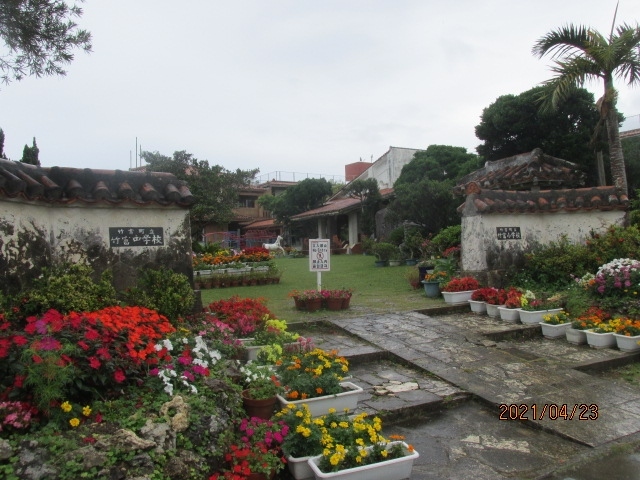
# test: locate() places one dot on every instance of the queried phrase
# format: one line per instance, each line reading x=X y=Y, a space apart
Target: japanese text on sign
x=136 y=236
x=509 y=233
x=319 y=255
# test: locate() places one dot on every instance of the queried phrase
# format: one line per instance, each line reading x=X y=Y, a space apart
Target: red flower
x=119 y=376
x=94 y=362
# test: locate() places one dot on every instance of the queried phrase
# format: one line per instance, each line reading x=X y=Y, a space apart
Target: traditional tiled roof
x=333 y=207
x=524 y=172
x=262 y=224
x=62 y=185
x=541 y=201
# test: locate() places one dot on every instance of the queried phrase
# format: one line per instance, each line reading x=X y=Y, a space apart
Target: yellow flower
x=332 y=410
x=344 y=424
x=384 y=453
x=66 y=407
x=86 y=411
x=74 y=422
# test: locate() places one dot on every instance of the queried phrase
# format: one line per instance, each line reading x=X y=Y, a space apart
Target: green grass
x=375 y=289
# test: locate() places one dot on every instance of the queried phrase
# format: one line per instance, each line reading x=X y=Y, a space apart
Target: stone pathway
x=439 y=378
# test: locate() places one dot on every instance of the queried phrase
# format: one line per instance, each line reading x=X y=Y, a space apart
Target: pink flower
x=94 y=362
x=119 y=376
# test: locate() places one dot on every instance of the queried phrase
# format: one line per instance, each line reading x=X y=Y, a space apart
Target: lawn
x=375 y=289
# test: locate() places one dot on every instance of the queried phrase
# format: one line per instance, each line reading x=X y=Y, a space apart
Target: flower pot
x=346 y=301
x=478 y=306
x=534 y=317
x=575 y=336
x=431 y=289
x=300 y=304
x=381 y=263
x=395 y=263
x=261 y=408
x=600 y=340
x=410 y=262
x=395 y=469
x=313 y=304
x=510 y=315
x=348 y=399
x=554 y=331
x=299 y=468
x=334 y=304
x=492 y=310
x=627 y=344
x=457 y=298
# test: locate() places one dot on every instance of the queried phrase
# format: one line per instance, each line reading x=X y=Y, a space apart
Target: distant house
x=340 y=213
x=514 y=204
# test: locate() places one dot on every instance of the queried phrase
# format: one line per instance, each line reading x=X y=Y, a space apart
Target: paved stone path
x=413 y=366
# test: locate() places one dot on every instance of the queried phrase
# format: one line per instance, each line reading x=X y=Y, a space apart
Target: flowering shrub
x=461 y=284
x=592 y=318
x=59 y=356
x=260 y=381
x=481 y=294
x=497 y=296
x=257 y=451
x=243 y=316
x=312 y=374
x=192 y=360
x=513 y=298
x=626 y=326
x=620 y=277
x=17 y=416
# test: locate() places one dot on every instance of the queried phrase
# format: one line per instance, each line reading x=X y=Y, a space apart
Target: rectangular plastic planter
x=554 y=331
x=478 y=306
x=509 y=315
x=600 y=340
x=299 y=468
x=395 y=469
x=320 y=405
x=492 y=310
x=457 y=298
x=534 y=317
x=576 y=336
x=627 y=344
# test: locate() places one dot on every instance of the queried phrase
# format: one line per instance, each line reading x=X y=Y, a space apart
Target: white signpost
x=319 y=258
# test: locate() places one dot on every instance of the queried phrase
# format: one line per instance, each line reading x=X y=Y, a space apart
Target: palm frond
x=562 y=41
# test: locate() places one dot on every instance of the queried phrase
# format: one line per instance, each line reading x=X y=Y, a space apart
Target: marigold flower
x=74 y=422
x=66 y=407
x=86 y=411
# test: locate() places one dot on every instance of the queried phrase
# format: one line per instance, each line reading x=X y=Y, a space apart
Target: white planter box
x=299 y=468
x=627 y=344
x=492 y=310
x=395 y=469
x=510 y=315
x=575 y=336
x=600 y=340
x=457 y=298
x=534 y=317
x=320 y=405
x=478 y=306
x=554 y=331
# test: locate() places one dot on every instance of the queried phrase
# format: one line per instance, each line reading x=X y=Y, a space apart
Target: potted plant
x=383 y=252
x=495 y=298
x=396 y=259
x=316 y=378
x=479 y=298
x=411 y=246
x=261 y=387
x=272 y=332
x=554 y=325
x=532 y=308
x=312 y=300
x=627 y=334
x=458 y=290
x=509 y=312
x=432 y=283
x=577 y=332
x=308 y=435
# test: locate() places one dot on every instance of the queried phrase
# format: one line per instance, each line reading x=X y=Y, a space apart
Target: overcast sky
x=289 y=85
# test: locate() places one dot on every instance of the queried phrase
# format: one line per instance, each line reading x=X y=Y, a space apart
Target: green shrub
x=165 y=291
x=69 y=287
x=446 y=238
x=616 y=242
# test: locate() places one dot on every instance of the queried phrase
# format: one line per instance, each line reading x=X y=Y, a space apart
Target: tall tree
x=584 y=54
x=304 y=196
x=514 y=124
x=423 y=191
x=30 y=154
x=215 y=188
x=369 y=195
x=39 y=36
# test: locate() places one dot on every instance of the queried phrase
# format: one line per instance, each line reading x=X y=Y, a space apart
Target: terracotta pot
x=313 y=304
x=300 y=304
x=262 y=408
x=334 y=304
x=346 y=302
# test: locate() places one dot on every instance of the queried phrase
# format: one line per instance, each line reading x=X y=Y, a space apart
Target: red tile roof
x=262 y=224
x=67 y=185
x=510 y=201
x=523 y=172
x=333 y=207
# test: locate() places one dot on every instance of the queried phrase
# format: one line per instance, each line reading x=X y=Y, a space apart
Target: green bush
x=446 y=238
x=69 y=287
x=616 y=242
x=165 y=291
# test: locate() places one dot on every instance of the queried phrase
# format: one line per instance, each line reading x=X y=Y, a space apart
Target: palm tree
x=583 y=54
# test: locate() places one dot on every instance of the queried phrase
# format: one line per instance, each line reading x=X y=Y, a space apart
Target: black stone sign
x=136 y=236
x=509 y=233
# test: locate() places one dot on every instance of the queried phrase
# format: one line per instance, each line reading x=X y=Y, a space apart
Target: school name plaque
x=136 y=236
